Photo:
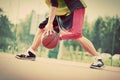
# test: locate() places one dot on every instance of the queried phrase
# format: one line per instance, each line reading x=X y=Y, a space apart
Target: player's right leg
x=30 y=53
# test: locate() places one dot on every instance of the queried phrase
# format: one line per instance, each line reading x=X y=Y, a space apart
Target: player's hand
x=49 y=29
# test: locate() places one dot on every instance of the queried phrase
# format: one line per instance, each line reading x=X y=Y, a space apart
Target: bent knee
x=71 y=36
x=77 y=35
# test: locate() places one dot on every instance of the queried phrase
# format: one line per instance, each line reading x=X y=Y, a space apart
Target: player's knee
x=77 y=35
x=71 y=36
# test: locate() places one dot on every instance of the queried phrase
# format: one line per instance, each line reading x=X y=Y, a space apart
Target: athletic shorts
x=74 y=32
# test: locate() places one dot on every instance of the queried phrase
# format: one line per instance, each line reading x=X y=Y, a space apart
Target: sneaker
x=30 y=56
x=97 y=64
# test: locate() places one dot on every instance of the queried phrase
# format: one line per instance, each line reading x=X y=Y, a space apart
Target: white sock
x=31 y=50
x=96 y=60
x=97 y=57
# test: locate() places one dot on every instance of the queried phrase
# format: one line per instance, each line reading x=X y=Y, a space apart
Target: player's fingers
x=48 y=32
x=45 y=33
x=51 y=31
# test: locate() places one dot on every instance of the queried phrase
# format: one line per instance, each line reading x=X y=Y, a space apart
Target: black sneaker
x=97 y=64
x=30 y=56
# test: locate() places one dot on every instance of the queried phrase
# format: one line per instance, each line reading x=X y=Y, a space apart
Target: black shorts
x=65 y=22
x=55 y=25
x=71 y=25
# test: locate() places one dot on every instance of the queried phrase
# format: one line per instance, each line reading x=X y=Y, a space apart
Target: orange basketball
x=50 y=41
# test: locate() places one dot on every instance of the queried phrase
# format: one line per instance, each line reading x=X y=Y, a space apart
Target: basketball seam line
x=50 y=42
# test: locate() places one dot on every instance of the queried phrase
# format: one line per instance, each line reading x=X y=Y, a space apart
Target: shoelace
x=96 y=62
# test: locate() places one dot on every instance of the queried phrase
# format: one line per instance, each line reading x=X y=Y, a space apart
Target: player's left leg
x=88 y=46
x=75 y=33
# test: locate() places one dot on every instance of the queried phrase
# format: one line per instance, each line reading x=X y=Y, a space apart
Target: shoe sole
x=93 y=67
x=31 y=59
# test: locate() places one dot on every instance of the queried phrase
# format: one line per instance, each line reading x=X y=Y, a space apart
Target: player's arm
x=52 y=13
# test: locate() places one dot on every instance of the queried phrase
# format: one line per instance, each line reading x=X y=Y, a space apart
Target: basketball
x=50 y=41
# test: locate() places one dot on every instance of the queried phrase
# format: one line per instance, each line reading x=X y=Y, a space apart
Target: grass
x=80 y=58
x=85 y=59
x=114 y=62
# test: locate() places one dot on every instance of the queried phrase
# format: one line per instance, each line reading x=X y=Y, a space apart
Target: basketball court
x=52 y=69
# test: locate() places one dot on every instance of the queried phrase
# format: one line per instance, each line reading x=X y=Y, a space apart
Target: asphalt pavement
x=52 y=69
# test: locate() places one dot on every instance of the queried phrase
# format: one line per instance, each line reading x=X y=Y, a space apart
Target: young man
x=65 y=17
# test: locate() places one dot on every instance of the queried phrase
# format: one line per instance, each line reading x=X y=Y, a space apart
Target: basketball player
x=65 y=17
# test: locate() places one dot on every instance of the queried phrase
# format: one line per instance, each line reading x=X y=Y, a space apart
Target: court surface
x=52 y=69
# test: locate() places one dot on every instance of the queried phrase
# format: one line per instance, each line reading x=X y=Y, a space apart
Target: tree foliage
x=24 y=31
x=107 y=35
x=5 y=33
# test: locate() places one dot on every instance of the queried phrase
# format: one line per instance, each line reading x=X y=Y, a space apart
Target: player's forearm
x=52 y=14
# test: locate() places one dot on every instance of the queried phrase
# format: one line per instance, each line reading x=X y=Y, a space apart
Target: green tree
x=106 y=34
x=5 y=32
x=116 y=35
x=110 y=39
x=99 y=24
x=23 y=31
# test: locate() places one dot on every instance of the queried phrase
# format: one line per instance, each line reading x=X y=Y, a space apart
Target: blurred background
x=19 y=20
